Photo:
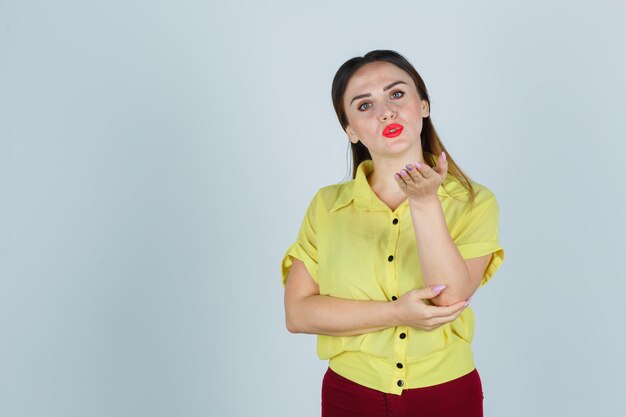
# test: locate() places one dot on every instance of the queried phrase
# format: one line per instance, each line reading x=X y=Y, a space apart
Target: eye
x=396 y=94
x=361 y=108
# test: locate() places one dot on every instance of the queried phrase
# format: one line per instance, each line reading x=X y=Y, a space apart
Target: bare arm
x=440 y=259
x=439 y=256
x=307 y=311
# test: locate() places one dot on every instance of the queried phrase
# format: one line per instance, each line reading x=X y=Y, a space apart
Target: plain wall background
x=157 y=158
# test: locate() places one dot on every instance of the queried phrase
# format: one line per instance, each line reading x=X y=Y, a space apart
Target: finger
x=413 y=173
x=447 y=313
x=400 y=180
x=439 y=321
x=442 y=166
x=406 y=176
x=424 y=169
x=430 y=292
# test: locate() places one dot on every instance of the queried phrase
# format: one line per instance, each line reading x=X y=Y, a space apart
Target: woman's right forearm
x=323 y=314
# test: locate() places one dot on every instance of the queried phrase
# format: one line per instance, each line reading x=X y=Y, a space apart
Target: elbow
x=297 y=326
x=441 y=300
x=293 y=325
x=296 y=319
x=447 y=298
x=455 y=293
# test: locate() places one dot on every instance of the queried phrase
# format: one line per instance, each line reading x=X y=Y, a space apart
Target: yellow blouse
x=355 y=247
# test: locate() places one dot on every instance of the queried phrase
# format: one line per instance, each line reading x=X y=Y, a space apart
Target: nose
x=388 y=113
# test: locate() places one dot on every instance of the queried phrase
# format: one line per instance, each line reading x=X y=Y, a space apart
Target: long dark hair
x=431 y=144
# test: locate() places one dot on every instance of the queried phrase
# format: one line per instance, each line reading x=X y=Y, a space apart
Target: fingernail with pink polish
x=417 y=164
x=438 y=288
x=408 y=166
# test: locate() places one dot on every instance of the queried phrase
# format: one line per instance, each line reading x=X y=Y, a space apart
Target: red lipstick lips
x=393 y=130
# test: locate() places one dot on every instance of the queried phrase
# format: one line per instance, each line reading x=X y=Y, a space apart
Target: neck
x=382 y=178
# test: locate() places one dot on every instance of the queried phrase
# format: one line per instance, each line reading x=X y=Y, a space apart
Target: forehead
x=372 y=77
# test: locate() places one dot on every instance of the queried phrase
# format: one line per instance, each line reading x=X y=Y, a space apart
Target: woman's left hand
x=421 y=182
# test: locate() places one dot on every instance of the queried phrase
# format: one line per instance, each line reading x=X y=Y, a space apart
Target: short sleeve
x=478 y=232
x=305 y=246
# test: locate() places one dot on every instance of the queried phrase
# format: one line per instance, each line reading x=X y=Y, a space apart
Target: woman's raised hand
x=419 y=181
x=412 y=311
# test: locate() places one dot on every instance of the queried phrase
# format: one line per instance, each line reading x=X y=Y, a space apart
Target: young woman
x=384 y=265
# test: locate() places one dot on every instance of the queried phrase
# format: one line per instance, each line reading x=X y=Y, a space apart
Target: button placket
x=399 y=355
x=394 y=237
x=400 y=345
x=392 y=243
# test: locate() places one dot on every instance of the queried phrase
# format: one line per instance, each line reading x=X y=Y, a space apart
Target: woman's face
x=378 y=95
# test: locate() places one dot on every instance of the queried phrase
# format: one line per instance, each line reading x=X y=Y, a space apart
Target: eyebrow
x=369 y=95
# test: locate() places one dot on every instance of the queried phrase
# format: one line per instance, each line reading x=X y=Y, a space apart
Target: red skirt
x=342 y=397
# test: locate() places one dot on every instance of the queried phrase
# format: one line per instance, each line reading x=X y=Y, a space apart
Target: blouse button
x=400 y=383
x=394 y=298
x=402 y=335
x=395 y=221
x=390 y=259
x=399 y=365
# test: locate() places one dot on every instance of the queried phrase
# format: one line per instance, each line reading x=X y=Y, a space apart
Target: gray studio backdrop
x=157 y=157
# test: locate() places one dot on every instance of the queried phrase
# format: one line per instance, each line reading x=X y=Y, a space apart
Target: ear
x=425 y=109
x=351 y=135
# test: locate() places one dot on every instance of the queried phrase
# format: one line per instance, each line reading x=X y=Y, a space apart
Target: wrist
x=424 y=202
x=394 y=314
